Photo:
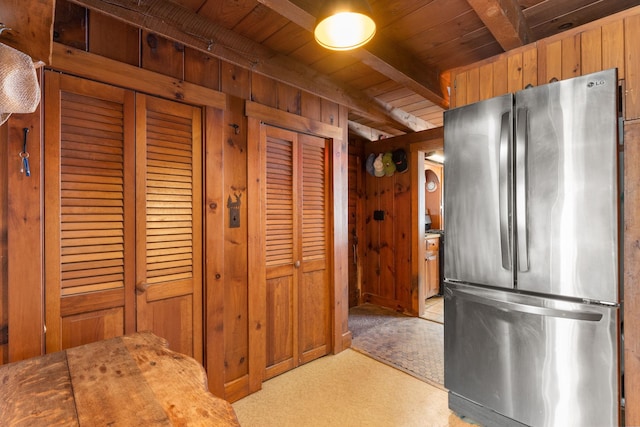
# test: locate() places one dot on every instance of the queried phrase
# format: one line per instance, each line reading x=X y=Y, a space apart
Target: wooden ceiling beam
x=185 y=26
x=386 y=58
x=366 y=132
x=416 y=124
x=505 y=20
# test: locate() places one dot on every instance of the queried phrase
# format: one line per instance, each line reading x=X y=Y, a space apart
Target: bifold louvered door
x=169 y=231
x=297 y=290
x=89 y=211
x=100 y=193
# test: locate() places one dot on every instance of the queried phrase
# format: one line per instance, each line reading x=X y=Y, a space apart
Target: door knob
x=142 y=287
x=297 y=264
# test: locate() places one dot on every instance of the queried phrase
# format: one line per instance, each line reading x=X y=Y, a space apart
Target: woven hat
x=19 y=89
x=378 y=166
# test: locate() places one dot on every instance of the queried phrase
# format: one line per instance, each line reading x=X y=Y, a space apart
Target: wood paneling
x=70 y=26
x=387 y=260
x=162 y=55
x=632 y=272
x=234 y=184
x=24 y=225
x=355 y=220
x=4 y=284
x=632 y=64
x=28 y=35
x=114 y=39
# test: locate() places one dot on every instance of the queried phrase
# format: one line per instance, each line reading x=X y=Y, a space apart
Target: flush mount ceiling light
x=344 y=24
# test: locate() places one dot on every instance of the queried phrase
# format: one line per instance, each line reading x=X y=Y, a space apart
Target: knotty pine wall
x=390 y=248
x=611 y=42
x=227 y=336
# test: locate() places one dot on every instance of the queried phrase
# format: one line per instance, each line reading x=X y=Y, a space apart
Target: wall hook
x=3 y=28
x=24 y=155
x=236 y=128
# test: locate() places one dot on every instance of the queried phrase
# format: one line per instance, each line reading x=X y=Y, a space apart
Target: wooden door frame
x=259 y=115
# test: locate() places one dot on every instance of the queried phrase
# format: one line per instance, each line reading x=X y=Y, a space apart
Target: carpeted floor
x=411 y=344
x=348 y=389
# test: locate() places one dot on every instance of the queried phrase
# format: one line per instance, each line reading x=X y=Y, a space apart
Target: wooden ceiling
x=392 y=85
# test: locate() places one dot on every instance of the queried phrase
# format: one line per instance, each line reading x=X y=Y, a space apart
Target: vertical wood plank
x=613 y=47
x=500 y=77
x=632 y=271
x=571 y=61
x=514 y=69
x=388 y=278
x=461 y=89
x=486 y=81
x=591 y=50
x=214 y=253
x=340 y=238
x=473 y=86
x=70 y=24
x=530 y=67
x=452 y=90
x=201 y=69
x=24 y=237
x=113 y=39
x=162 y=55
x=264 y=90
x=404 y=227
x=553 y=62
x=4 y=300
x=256 y=196
x=288 y=98
x=331 y=114
x=310 y=106
x=235 y=80
x=236 y=299
x=632 y=67
x=371 y=276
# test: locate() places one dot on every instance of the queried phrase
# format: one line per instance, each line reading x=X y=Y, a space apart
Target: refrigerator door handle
x=521 y=188
x=503 y=182
x=516 y=306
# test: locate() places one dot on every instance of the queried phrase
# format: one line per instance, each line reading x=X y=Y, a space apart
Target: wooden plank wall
x=388 y=247
x=225 y=158
x=607 y=43
x=386 y=257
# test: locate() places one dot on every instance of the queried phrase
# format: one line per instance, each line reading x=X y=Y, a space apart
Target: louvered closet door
x=313 y=294
x=168 y=222
x=89 y=211
x=296 y=240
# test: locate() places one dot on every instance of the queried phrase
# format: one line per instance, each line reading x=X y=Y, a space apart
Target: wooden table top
x=134 y=380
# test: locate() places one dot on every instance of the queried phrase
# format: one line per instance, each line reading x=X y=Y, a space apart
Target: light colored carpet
x=347 y=390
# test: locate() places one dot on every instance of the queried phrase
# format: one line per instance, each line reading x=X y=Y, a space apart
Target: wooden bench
x=132 y=380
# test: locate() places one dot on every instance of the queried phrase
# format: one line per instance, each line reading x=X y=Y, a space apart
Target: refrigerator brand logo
x=596 y=83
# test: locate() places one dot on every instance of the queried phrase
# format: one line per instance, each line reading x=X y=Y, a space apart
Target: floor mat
x=411 y=344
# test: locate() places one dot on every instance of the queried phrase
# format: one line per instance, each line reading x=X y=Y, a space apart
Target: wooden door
x=122 y=216
x=297 y=289
x=169 y=222
x=89 y=211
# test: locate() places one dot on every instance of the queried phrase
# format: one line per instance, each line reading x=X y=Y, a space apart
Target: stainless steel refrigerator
x=531 y=263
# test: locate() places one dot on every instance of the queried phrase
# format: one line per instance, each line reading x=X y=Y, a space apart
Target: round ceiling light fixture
x=344 y=24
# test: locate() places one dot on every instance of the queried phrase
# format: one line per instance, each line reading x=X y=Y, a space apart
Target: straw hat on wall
x=19 y=89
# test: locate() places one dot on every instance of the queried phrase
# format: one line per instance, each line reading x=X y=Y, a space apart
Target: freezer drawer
x=539 y=361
